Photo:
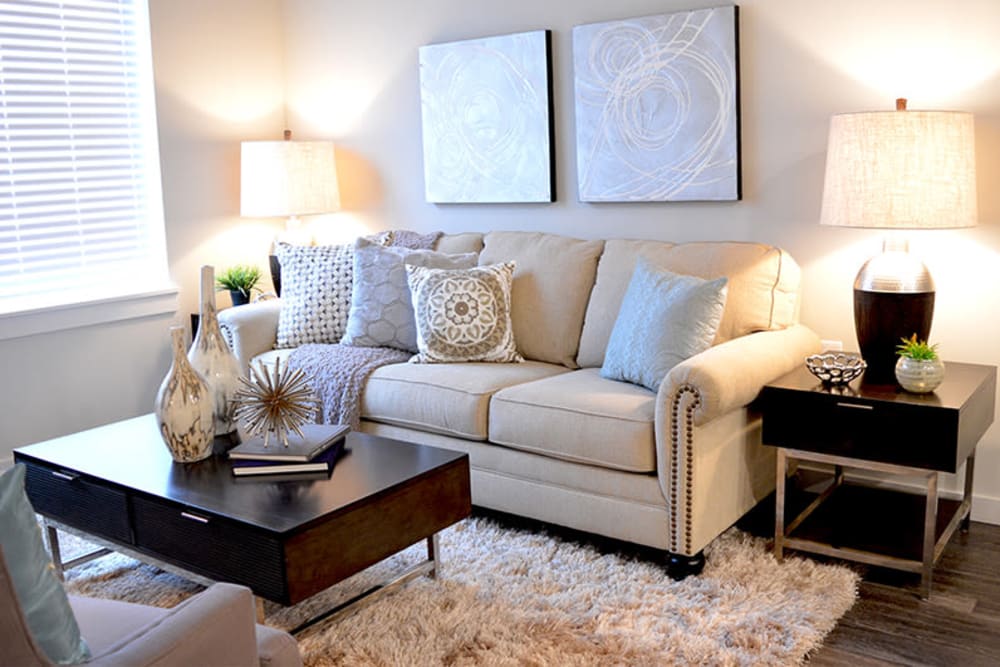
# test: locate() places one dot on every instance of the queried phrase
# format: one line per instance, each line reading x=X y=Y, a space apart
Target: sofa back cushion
x=463 y=242
x=763 y=286
x=552 y=284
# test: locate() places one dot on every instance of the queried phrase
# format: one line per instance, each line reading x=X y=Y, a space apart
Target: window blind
x=80 y=202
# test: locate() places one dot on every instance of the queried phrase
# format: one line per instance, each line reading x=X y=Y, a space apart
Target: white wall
x=351 y=75
x=219 y=79
x=347 y=70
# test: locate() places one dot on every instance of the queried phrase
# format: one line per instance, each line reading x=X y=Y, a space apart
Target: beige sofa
x=551 y=439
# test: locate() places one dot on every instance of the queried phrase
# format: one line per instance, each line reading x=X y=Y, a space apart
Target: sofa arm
x=215 y=627
x=251 y=329
x=730 y=375
x=710 y=463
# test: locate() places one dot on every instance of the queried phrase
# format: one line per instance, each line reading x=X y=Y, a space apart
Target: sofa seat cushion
x=578 y=416
x=106 y=623
x=271 y=357
x=453 y=399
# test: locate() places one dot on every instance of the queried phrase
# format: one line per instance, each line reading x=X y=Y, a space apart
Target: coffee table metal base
x=430 y=567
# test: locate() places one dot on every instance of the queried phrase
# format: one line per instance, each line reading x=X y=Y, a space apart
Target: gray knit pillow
x=315 y=293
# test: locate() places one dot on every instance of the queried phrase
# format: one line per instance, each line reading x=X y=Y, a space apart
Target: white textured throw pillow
x=381 y=310
x=664 y=319
x=463 y=314
x=315 y=294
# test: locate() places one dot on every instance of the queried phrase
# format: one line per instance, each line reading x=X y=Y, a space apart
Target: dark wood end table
x=285 y=538
x=883 y=429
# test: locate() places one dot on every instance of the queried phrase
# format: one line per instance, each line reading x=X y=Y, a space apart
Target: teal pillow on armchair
x=664 y=319
x=41 y=595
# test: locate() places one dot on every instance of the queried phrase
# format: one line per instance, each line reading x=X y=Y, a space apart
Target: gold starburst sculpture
x=275 y=403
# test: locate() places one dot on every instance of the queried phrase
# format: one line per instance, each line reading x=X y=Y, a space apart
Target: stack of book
x=315 y=451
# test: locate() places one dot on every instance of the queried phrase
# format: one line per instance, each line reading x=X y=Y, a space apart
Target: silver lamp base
x=893 y=299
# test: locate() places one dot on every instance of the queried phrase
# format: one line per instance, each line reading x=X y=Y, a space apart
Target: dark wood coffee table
x=286 y=539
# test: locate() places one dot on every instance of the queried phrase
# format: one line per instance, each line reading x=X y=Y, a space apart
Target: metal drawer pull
x=65 y=475
x=859 y=406
x=194 y=517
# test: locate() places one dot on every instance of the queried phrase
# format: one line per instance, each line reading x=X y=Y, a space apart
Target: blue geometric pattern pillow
x=664 y=319
x=43 y=600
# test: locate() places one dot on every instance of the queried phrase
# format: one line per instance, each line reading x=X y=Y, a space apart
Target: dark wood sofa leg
x=680 y=566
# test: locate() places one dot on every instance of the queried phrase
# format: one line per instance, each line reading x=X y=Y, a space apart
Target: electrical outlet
x=833 y=345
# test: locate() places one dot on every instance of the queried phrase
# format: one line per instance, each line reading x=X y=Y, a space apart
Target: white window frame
x=151 y=292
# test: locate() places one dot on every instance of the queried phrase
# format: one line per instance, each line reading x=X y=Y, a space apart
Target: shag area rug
x=520 y=597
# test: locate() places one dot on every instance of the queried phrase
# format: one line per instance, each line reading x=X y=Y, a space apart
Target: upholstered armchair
x=215 y=627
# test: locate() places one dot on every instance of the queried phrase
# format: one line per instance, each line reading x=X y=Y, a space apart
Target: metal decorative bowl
x=835 y=368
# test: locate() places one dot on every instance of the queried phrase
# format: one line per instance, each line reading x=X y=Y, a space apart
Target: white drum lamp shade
x=901 y=169
x=287 y=178
x=898 y=170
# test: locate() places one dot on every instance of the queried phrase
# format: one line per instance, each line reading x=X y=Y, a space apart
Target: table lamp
x=897 y=170
x=287 y=179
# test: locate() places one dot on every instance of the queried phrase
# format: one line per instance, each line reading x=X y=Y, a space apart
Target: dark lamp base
x=881 y=319
x=275 y=266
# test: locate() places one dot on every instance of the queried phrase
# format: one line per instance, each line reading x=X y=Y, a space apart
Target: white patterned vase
x=210 y=355
x=184 y=407
x=919 y=376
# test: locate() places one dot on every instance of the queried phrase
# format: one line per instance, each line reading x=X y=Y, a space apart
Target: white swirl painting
x=657 y=108
x=487 y=121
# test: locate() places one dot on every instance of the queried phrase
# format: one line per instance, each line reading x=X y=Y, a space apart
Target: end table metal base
x=931 y=548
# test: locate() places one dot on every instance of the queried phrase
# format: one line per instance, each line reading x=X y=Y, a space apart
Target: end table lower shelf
x=872 y=525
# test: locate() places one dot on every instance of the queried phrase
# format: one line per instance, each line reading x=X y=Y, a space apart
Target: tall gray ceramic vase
x=184 y=407
x=211 y=357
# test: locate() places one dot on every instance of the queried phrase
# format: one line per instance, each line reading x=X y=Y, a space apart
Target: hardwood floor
x=958 y=625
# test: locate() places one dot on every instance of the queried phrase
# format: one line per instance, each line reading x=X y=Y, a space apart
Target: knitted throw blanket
x=337 y=373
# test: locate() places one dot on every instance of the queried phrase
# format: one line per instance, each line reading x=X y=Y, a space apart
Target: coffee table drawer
x=71 y=499
x=215 y=547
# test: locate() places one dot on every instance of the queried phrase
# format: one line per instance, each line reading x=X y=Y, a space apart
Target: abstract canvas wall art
x=487 y=119
x=657 y=107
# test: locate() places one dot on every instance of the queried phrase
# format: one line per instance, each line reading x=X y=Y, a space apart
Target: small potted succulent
x=241 y=280
x=919 y=370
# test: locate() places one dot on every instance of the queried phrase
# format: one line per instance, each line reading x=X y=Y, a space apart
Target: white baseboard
x=986 y=509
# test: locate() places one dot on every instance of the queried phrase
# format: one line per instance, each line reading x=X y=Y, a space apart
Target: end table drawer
x=872 y=431
x=71 y=499
x=217 y=548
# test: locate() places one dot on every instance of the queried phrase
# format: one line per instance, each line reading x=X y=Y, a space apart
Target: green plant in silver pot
x=919 y=369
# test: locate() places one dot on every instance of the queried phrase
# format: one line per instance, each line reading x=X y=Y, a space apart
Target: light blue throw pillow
x=381 y=308
x=664 y=319
x=43 y=600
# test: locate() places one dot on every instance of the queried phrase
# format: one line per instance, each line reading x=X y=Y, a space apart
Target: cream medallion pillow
x=463 y=314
